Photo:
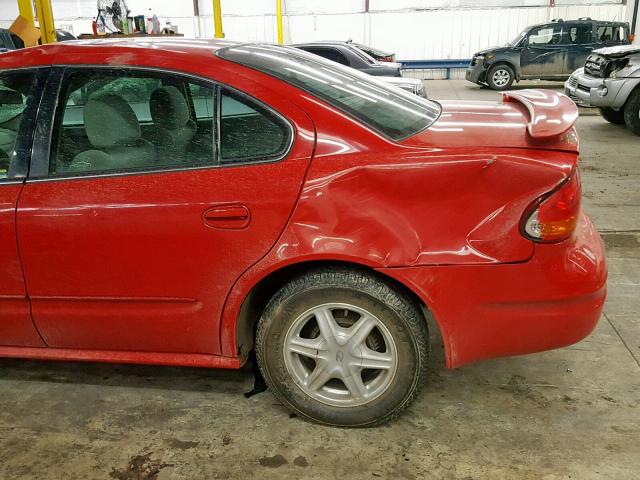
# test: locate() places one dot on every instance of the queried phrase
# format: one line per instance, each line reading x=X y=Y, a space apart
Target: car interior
x=111 y=123
x=13 y=97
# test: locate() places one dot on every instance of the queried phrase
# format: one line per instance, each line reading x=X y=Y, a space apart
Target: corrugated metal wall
x=414 y=29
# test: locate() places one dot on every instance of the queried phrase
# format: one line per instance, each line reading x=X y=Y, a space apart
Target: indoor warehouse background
x=413 y=29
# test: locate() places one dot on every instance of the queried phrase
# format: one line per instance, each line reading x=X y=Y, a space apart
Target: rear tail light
x=632 y=37
x=553 y=216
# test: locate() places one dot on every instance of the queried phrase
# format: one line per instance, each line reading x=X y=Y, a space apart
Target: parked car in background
x=379 y=55
x=348 y=54
x=10 y=41
x=547 y=51
x=412 y=85
x=610 y=80
x=305 y=211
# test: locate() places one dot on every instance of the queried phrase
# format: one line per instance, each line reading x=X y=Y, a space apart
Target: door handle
x=230 y=216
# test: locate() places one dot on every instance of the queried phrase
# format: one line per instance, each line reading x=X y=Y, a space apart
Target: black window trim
x=25 y=140
x=41 y=152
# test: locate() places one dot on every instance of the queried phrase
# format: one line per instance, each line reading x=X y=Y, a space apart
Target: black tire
x=400 y=316
x=612 y=116
x=632 y=112
x=497 y=72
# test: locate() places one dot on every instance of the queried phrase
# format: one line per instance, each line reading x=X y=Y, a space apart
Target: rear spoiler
x=550 y=113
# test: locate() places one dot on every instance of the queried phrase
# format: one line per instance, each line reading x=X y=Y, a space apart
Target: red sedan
x=187 y=202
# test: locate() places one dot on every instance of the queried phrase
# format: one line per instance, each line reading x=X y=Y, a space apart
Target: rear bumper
x=553 y=300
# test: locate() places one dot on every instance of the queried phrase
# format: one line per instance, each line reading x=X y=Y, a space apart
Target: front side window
x=393 y=113
x=547 y=35
x=111 y=121
x=15 y=88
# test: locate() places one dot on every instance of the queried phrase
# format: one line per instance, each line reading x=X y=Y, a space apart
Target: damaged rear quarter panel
x=414 y=207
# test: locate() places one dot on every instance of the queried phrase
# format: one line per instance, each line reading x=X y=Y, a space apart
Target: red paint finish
x=154 y=268
x=549 y=302
x=16 y=327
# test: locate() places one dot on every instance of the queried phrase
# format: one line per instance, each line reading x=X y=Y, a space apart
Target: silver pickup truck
x=610 y=80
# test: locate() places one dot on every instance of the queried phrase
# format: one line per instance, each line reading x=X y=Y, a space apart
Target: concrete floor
x=570 y=413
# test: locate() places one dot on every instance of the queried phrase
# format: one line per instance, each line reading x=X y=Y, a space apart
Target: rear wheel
x=500 y=77
x=342 y=347
x=632 y=112
x=612 y=116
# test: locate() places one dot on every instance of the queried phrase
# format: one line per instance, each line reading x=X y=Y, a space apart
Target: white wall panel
x=414 y=29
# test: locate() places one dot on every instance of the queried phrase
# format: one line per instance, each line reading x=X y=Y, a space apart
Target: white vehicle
x=610 y=80
x=412 y=85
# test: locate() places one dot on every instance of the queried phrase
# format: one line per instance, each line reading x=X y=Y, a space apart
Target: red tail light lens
x=553 y=217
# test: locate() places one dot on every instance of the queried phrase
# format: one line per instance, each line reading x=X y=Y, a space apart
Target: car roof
x=578 y=20
x=55 y=53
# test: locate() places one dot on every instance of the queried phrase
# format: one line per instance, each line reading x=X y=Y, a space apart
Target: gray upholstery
x=114 y=131
x=109 y=120
x=174 y=128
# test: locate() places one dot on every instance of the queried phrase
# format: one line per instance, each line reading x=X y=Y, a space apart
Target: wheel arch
x=265 y=287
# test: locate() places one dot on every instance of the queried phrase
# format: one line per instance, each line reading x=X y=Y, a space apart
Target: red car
x=186 y=202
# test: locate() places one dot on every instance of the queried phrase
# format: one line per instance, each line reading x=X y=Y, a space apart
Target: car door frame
x=583 y=49
x=16 y=306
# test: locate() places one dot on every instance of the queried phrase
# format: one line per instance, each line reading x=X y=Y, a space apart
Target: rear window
x=393 y=113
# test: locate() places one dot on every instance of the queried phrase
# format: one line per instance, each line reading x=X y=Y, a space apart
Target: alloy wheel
x=340 y=355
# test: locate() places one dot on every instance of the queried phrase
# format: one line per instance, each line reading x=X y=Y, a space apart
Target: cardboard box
x=26 y=31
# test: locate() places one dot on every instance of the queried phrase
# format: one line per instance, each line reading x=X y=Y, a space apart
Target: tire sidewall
x=632 y=112
x=271 y=357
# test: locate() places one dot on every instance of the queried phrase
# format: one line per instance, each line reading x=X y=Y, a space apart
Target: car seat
x=114 y=131
x=172 y=119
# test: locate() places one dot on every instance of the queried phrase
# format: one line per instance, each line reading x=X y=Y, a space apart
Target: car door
x=19 y=97
x=580 y=42
x=139 y=217
x=544 y=51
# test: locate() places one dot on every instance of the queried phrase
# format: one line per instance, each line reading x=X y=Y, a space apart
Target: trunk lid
x=540 y=119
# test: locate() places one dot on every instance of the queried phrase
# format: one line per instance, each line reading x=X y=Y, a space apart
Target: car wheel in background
x=612 y=116
x=500 y=77
x=343 y=347
x=632 y=112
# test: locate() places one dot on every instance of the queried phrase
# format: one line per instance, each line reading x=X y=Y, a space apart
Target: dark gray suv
x=547 y=51
x=351 y=56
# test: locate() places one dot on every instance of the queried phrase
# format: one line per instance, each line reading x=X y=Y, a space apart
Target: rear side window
x=390 y=111
x=611 y=34
x=15 y=88
x=329 y=53
x=249 y=132
x=580 y=34
x=118 y=121
x=110 y=121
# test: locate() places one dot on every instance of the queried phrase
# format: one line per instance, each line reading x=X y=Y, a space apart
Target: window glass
x=580 y=34
x=611 y=34
x=202 y=100
x=330 y=54
x=547 y=35
x=390 y=111
x=249 y=131
x=14 y=91
x=112 y=121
